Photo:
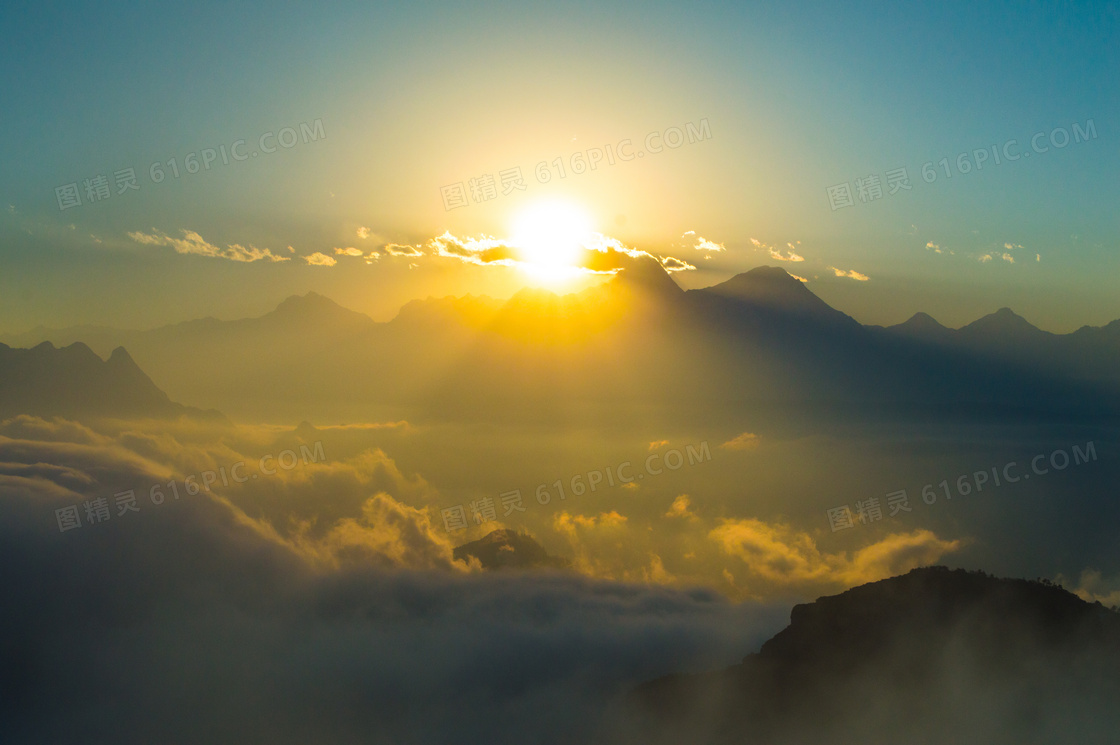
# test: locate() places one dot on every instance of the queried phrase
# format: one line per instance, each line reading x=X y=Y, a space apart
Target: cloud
x=388 y=534
x=658 y=444
x=799 y=279
x=320 y=259
x=484 y=250
x=566 y=522
x=777 y=254
x=199 y=602
x=985 y=258
x=791 y=256
x=595 y=541
x=193 y=243
x=745 y=441
x=702 y=243
x=671 y=264
x=850 y=274
x=363 y=233
x=398 y=249
x=680 y=508
x=600 y=254
x=349 y=251
x=775 y=552
x=329 y=512
x=936 y=248
x=1093 y=588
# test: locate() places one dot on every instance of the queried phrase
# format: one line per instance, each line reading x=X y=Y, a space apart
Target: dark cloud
x=193 y=622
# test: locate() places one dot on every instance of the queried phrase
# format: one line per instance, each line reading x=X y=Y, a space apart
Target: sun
x=549 y=237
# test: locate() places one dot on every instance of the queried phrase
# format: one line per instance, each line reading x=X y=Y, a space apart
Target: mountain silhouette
x=759 y=345
x=923 y=326
x=772 y=289
x=508 y=549
x=1004 y=324
x=1090 y=354
x=933 y=656
x=74 y=382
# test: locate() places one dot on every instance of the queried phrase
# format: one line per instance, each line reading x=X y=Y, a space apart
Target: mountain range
x=760 y=343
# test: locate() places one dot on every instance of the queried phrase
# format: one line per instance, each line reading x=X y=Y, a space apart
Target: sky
x=387 y=106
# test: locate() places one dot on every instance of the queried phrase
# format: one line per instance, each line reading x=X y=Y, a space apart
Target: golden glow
x=550 y=237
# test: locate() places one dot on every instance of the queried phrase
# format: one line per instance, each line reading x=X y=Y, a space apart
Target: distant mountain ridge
x=759 y=343
x=765 y=287
x=1091 y=353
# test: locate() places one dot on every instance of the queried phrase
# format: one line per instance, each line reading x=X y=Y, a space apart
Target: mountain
x=1002 y=326
x=74 y=382
x=933 y=656
x=646 y=280
x=634 y=349
x=924 y=327
x=508 y=549
x=1090 y=354
x=772 y=290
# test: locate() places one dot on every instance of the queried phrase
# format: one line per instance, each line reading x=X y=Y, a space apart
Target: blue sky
x=413 y=98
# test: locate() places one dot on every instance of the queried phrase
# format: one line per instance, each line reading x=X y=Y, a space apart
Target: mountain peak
x=120 y=356
x=508 y=549
x=773 y=288
x=922 y=325
x=647 y=277
x=312 y=301
x=316 y=308
x=767 y=283
x=1003 y=323
x=922 y=320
